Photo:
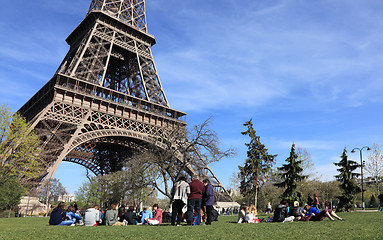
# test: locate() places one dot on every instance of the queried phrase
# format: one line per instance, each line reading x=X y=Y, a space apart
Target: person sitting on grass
x=313 y=214
x=92 y=216
x=296 y=211
x=157 y=219
x=121 y=215
x=131 y=217
x=242 y=214
x=58 y=214
x=111 y=216
x=281 y=212
x=71 y=217
x=251 y=215
x=146 y=214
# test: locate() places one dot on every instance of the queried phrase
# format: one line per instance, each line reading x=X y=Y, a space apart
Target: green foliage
x=19 y=148
x=347 y=184
x=257 y=165
x=373 y=202
x=19 y=163
x=10 y=193
x=291 y=175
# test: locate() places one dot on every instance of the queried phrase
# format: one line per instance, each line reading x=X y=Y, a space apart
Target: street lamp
x=361 y=168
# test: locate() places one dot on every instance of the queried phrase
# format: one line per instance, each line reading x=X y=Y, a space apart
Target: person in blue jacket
x=208 y=200
x=147 y=213
x=71 y=217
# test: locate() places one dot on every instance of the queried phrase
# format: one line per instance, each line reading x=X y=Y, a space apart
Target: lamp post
x=361 y=168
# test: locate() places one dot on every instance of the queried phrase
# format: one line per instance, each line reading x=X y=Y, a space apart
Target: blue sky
x=308 y=72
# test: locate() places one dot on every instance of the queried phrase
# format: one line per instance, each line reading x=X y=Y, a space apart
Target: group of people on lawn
x=284 y=213
x=194 y=195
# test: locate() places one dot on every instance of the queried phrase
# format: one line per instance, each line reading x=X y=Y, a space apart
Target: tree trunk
x=256 y=198
x=9 y=213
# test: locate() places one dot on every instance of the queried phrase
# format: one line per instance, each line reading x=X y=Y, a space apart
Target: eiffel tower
x=106 y=93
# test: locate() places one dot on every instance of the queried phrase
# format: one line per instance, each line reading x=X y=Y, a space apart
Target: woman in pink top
x=157 y=219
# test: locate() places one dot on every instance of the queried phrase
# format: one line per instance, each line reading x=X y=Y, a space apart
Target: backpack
x=295 y=211
x=280 y=213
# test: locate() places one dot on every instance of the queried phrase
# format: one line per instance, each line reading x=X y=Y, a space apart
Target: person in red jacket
x=157 y=219
x=197 y=189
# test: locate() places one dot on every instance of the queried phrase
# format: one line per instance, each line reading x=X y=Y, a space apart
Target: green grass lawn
x=357 y=225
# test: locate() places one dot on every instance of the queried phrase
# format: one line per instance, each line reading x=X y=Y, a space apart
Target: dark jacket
x=197 y=188
x=131 y=217
x=57 y=216
x=208 y=197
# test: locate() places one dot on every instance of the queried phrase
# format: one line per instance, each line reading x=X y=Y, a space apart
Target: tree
x=10 y=193
x=52 y=188
x=19 y=162
x=306 y=163
x=291 y=175
x=347 y=184
x=257 y=164
x=373 y=202
x=374 y=165
x=19 y=148
x=184 y=150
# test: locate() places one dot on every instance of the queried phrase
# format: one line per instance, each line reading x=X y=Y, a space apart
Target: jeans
x=67 y=222
x=194 y=204
x=177 y=211
x=209 y=213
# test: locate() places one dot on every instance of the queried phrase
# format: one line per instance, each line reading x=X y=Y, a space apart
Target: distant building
x=65 y=198
x=31 y=206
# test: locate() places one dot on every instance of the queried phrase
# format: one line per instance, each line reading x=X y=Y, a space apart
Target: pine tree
x=347 y=183
x=291 y=174
x=373 y=202
x=258 y=163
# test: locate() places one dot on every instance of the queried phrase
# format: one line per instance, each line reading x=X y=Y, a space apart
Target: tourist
x=58 y=214
x=92 y=216
x=111 y=216
x=121 y=215
x=181 y=191
x=242 y=214
x=269 y=208
x=146 y=214
x=316 y=202
x=251 y=215
x=131 y=217
x=281 y=212
x=313 y=214
x=157 y=219
x=208 y=200
x=197 y=188
x=309 y=200
x=71 y=217
x=296 y=211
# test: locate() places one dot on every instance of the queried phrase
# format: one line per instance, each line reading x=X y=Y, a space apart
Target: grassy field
x=357 y=225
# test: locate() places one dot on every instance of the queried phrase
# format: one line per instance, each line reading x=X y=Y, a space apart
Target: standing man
x=197 y=188
x=181 y=191
x=208 y=199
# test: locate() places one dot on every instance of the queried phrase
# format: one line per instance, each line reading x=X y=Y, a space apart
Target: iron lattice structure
x=107 y=93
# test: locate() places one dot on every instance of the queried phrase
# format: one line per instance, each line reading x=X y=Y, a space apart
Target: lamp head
x=368 y=148
x=353 y=150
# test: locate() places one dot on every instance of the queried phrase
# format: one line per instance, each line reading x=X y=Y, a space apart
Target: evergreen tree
x=291 y=174
x=373 y=202
x=257 y=165
x=347 y=184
